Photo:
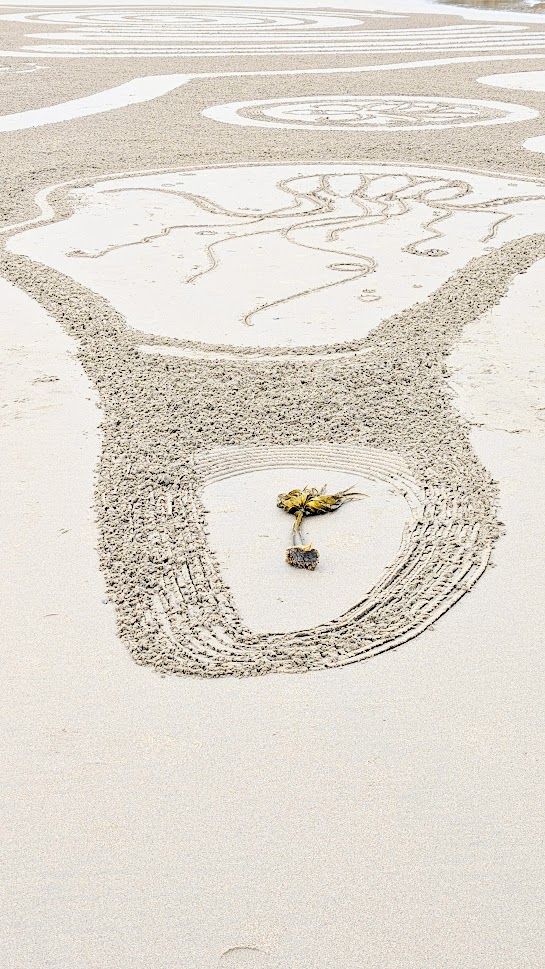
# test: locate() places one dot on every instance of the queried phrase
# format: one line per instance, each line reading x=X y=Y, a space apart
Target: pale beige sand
x=251 y=535
x=383 y=815
x=498 y=368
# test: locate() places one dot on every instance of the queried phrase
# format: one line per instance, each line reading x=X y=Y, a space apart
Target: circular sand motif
x=231 y=31
x=250 y=537
x=439 y=558
x=368 y=113
x=191 y=20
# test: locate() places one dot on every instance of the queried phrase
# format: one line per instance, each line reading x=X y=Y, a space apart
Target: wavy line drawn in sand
x=522 y=81
x=174 y=427
x=136 y=91
x=368 y=113
x=225 y=32
x=298 y=257
x=148 y=88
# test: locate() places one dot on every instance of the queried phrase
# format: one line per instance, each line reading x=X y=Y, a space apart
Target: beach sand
x=380 y=814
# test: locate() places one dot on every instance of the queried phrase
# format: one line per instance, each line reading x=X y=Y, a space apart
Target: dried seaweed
x=309 y=501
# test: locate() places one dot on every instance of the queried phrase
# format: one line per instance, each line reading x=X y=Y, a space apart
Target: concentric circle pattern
x=220 y=32
x=368 y=113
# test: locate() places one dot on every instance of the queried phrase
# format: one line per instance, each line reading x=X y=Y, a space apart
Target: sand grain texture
x=383 y=813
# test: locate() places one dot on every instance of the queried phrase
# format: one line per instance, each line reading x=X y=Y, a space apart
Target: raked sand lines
x=225 y=32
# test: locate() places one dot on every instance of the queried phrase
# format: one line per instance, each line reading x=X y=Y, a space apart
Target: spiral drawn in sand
x=368 y=113
x=228 y=32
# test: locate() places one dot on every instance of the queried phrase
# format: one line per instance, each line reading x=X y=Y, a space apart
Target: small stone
x=302 y=557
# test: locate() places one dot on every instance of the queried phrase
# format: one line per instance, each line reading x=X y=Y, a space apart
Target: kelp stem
x=297 y=528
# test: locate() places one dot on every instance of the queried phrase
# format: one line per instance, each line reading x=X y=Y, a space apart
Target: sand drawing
x=175 y=426
x=521 y=81
x=368 y=113
x=356 y=112
x=312 y=249
x=228 y=32
x=136 y=91
x=256 y=262
x=353 y=112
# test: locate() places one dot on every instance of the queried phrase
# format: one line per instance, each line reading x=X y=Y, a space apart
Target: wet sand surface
x=382 y=813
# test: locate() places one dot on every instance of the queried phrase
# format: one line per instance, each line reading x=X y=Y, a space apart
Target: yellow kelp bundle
x=307 y=502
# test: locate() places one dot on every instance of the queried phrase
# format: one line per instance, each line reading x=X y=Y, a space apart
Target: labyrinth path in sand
x=227 y=32
x=321 y=243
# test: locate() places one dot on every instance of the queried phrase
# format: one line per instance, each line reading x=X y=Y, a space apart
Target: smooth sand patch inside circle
x=249 y=535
